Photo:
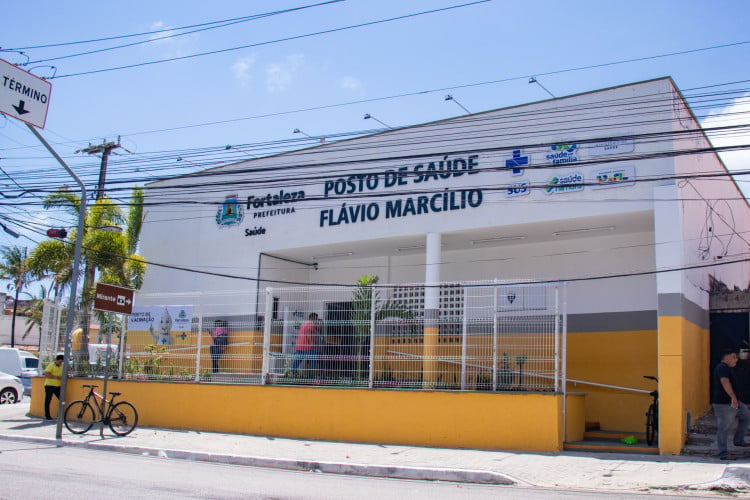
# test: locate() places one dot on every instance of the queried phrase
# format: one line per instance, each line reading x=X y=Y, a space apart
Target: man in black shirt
x=741 y=374
x=727 y=407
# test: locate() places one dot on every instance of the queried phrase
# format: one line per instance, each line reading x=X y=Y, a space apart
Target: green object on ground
x=629 y=440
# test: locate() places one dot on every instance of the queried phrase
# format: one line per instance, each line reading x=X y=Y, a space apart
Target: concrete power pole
x=89 y=274
x=105 y=149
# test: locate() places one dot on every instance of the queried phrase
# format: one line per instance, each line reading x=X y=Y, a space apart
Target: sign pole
x=106 y=374
x=73 y=279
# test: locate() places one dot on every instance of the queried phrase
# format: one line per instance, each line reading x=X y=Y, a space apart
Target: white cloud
x=351 y=83
x=174 y=46
x=737 y=113
x=241 y=69
x=279 y=76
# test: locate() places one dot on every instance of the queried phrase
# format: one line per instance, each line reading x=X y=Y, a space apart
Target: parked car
x=11 y=389
x=19 y=363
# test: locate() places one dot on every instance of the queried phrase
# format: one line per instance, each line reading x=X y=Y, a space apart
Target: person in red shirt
x=305 y=348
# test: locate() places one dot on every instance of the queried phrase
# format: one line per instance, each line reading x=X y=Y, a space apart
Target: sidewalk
x=569 y=470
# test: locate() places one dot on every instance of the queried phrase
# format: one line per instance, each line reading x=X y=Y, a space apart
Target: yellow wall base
x=683 y=379
x=619 y=359
x=531 y=422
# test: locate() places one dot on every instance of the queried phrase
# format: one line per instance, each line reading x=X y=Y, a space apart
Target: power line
x=224 y=24
x=269 y=42
x=293 y=159
x=720 y=262
x=453 y=128
x=563 y=112
x=132 y=35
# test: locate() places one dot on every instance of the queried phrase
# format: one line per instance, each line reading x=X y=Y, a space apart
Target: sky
x=321 y=68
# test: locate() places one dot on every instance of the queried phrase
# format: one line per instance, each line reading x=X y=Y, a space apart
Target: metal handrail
x=575 y=381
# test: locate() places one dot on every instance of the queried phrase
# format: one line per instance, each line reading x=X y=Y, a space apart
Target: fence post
x=198 y=347
x=494 y=338
x=557 y=339
x=464 y=342
x=564 y=357
x=123 y=343
x=371 y=378
x=267 y=336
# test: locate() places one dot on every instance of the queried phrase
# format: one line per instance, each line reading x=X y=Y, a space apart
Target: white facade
x=563 y=189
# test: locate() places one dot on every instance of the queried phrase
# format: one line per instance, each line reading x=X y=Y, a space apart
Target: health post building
x=608 y=211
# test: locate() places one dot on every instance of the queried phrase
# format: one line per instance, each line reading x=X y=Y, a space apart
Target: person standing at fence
x=52 y=381
x=727 y=407
x=741 y=374
x=305 y=348
x=219 y=341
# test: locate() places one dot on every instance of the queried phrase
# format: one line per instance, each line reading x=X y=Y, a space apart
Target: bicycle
x=652 y=415
x=122 y=417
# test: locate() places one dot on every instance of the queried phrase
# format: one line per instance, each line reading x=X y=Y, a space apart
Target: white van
x=20 y=364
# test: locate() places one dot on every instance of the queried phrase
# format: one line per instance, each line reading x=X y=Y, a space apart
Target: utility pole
x=89 y=273
x=105 y=148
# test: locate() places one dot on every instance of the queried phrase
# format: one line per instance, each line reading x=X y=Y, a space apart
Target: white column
x=432 y=271
x=431 y=311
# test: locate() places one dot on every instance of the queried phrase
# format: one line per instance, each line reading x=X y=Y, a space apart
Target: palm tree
x=364 y=298
x=14 y=267
x=34 y=312
x=111 y=254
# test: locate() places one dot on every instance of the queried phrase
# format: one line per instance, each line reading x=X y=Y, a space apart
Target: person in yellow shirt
x=53 y=377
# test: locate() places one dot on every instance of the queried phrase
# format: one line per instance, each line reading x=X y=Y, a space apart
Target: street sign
x=23 y=96
x=113 y=298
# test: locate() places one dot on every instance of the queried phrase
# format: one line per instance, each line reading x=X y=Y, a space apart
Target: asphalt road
x=31 y=471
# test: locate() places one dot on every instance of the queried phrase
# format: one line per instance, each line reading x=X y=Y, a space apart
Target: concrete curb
x=371 y=470
x=733 y=480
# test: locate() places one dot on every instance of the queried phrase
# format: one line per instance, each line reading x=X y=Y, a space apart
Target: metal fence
x=488 y=336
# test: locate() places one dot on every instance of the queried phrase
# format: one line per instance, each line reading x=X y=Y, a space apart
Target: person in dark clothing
x=219 y=341
x=741 y=374
x=727 y=406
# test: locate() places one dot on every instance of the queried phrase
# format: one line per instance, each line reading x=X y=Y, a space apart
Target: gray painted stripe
x=675 y=304
x=612 y=321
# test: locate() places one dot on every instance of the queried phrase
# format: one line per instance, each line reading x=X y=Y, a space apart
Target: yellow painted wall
x=614 y=358
x=575 y=423
x=683 y=379
x=441 y=418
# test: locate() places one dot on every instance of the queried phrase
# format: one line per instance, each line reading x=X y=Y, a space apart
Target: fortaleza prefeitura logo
x=230 y=212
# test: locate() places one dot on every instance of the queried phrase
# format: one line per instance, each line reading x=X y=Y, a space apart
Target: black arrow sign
x=20 y=108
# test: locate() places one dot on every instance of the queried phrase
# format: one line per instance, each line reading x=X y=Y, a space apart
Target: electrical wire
x=742 y=259
x=132 y=35
x=213 y=26
x=278 y=40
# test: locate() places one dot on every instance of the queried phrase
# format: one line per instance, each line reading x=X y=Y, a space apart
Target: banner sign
x=167 y=325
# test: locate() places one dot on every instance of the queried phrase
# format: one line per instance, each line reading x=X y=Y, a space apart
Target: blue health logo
x=516 y=162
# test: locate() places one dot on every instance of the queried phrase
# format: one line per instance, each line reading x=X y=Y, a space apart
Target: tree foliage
x=366 y=301
x=14 y=268
x=109 y=246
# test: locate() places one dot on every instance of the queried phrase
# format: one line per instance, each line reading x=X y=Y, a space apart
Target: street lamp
x=451 y=98
x=533 y=79
x=368 y=116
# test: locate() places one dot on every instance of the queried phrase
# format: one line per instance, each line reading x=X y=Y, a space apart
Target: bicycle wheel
x=79 y=417
x=123 y=418
x=651 y=425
